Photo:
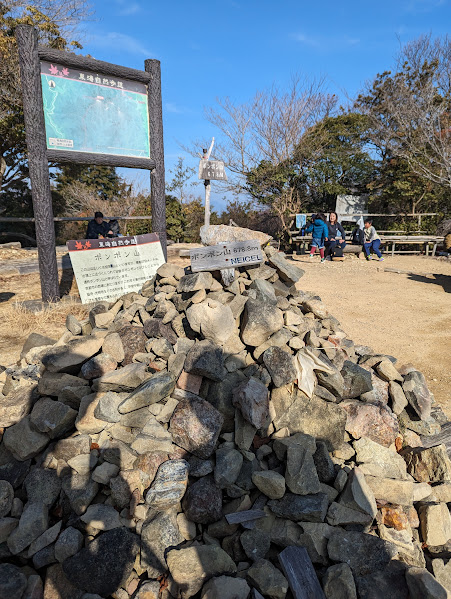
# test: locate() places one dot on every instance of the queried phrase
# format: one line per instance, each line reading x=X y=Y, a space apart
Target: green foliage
x=181 y=175
x=175 y=219
x=104 y=180
x=140 y=227
x=195 y=218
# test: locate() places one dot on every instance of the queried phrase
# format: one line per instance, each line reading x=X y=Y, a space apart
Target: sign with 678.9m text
x=226 y=255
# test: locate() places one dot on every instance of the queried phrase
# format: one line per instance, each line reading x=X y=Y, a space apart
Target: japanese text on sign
x=226 y=255
x=212 y=169
x=105 y=269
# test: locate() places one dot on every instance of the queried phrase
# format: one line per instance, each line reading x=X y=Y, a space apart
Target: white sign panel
x=226 y=255
x=107 y=268
x=212 y=169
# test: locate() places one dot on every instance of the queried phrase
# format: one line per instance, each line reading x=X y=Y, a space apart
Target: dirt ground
x=405 y=315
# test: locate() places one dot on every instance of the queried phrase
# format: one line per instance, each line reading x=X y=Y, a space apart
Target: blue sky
x=236 y=47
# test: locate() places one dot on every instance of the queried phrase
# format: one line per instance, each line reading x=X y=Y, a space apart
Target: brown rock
x=133 y=341
x=370 y=420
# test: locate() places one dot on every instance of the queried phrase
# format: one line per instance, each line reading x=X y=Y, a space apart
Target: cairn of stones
x=196 y=440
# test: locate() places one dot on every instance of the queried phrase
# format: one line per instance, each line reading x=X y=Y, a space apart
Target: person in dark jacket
x=320 y=233
x=98 y=228
x=114 y=228
x=336 y=236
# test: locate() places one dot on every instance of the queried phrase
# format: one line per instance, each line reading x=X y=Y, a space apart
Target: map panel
x=90 y=112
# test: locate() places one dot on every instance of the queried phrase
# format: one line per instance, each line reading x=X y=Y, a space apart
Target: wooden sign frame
x=39 y=156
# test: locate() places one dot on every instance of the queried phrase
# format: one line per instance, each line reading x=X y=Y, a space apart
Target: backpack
x=358 y=236
x=338 y=252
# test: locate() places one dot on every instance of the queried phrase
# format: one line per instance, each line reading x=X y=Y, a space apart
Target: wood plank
x=259 y=504
x=91 y=64
x=226 y=255
x=300 y=573
x=245 y=516
x=64 y=156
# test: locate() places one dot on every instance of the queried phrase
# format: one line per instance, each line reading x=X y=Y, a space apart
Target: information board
x=212 y=170
x=105 y=269
x=226 y=255
x=89 y=112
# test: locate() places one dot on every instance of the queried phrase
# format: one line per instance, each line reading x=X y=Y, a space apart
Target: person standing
x=336 y=235
x=319 y=231
x=372 y=240
x=98 y=228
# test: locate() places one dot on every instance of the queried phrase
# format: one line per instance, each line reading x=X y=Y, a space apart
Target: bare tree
x=410 y=111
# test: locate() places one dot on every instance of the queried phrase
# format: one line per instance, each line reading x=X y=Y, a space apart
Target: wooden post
x=157 y=175
x=207 y=202
x=30 y=73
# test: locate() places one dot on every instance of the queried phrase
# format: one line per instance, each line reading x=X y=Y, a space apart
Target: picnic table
x=424 y=241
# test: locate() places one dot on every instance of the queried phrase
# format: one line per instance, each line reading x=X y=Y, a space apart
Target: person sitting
x=98 y=228
x=319 y=231
x=372 y=240
x=114 y=228
x=336 y=236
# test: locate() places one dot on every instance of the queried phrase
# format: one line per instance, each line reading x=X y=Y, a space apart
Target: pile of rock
x=177 y=442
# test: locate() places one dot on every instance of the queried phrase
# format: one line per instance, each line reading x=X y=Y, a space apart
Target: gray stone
x=323 y=463
x=69 y=357
x=52 y=417
x=57 y=586
x=435 y=523
x=68 y=544
x=228 y=466
x=190 y=567
x=52 y=383
x=357 y=495
x=300 y=474
x=65 y=449
x=301 y=508
x=112 y=345
x=244 y=432
x=23 y=441
x=314 y=538
x=279 y=339
x=107 y=408
x=377 y=460
x=386 y=582
x=341 y=515
x=212 y=320
x=150 y=589
x=426 y=428
x=268 y=579
x=306 y=442
x=154 y=437
x=393 y=491
x=264 y=291
x=313 y=416
x=270 y=483
x=35 y=588
x=225 y=587
x=203 y=501
x=356 y=379
x=418 y=394
x=220 y=396
x=388 y=372
x=33 y=522
x=206 y=359
x=101 y=517
x=332 y=382
x=195 y=425
x=12 y=582
x=338 y=582
x=280 y=365
x=428 y=465
x=123 y=379
x=104 y=473
x=159 y=532
x=6 y=498
x=47 y=538
x=35 y=340
x=72 y=325
x=97 y=366
x=255 y=543
x=422 y=585
x=16 y=405
x=7 y=525
x=105 y=563
x=152 y=391
x=195 y=282
x=44 y=558
x=252 y=398
x=169 y=485
x=364 y=553
x=260 y=321
x=442 y=572
x=80 y=491
x=287 y=271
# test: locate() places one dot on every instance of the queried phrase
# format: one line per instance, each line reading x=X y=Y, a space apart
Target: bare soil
x=405 y=315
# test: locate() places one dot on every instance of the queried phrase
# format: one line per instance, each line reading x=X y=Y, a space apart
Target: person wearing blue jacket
x=320 y=233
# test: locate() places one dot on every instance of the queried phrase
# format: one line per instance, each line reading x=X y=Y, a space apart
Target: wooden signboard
x=212 y=170
x=107 y=268
x=226 y=255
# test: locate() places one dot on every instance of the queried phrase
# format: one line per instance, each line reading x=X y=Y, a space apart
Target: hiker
x=114 y=228
x=336 y=237
x=319 y=231
x=98 y=228
x=372 y=240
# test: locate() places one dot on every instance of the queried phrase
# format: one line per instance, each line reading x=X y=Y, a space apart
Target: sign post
x=208 y=170
x=86 y=111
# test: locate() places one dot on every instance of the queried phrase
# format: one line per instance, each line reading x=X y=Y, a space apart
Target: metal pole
x=30 y=74
x=157 y=182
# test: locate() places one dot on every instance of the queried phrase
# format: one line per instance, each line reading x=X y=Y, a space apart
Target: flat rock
x=80 y=491
x=376 y=422
x=206 y=359
x=301 y=508
x=65 y=449
x=203 y=501
x=69 y=543
x=252 y=398
x=280 y=365
x=364 y=553
x=169 y=485
x=268 y=579
x=216 y=234
x=69 y=357
x=393 y=491
x=418 y=394
x=435 y=523
x=104 y=564
x=287 y=271
x=428 y=465
x=270 y=483
x=47 y=538
x=151 y=391
x=190 y=567
x=23 y=441
x=195 y=425
x=159 y=532
x=377 y=460
x=356 y=379
x=101 y=517
x=225 y=587
x=300 y=473
x=154 y=328
x=228 y=466
x=52 y=417
x=123 y=379
x=212 y=320
x=57 y=586
x=52 y=383
x=32 y=524
x=86 y=422
x=16 y=405
x=133 y=340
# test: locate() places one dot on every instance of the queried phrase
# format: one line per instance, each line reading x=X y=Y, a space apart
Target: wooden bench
x=303 y=242
x=427 y=243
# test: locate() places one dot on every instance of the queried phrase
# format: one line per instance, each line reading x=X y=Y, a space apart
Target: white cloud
x=422 y=6
x=119 y=41
x=126 y=9
x=172 y=107
x=326 y=43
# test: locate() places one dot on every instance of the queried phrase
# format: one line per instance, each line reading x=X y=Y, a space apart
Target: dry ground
x=408 y=316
